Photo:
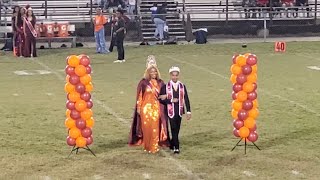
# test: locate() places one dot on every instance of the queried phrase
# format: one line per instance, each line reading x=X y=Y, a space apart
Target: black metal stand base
x=245 y=145
x=76 y=149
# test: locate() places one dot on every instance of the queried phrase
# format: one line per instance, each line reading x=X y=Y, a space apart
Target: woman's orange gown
x=149 y=108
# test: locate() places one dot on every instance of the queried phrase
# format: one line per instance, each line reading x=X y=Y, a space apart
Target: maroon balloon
x=236 y=132
x=242 y=115
x=252 y=96
x=238 y=124
x=70 y=105
x=75 y=114
x=89 y=104
x=85 y=96
x=241 y=78
x=255 y=86
x=253 y=137
x=85 y=60
x=247 y=105
x=80 y=88
x=237 y=87
x=234 y=95
x=87 y=132
x=252 y=60
x=80 y=123
x=246 y=69
x=74 y=79
x=89 y=140
x=254 y=128
x=70 y=70
x=71 y=141
x=234 y=58
x=88 y=69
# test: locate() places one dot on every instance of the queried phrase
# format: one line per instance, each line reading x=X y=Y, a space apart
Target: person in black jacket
x=175 y=96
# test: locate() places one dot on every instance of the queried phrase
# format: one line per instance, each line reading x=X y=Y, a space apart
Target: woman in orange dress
x=149 y=126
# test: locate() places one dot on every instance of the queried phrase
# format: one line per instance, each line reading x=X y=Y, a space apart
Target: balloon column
x=79 y=114
x=244 y=95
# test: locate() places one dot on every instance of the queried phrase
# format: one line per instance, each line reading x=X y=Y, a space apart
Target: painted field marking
x=23 y=73
x=248 y=173
x=261 y=90
x=124 y=121
x=317 y=68
x=42 y=72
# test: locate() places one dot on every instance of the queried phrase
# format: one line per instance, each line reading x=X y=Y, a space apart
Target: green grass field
x=32 y=110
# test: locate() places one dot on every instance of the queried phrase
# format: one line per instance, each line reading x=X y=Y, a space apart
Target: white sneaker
x=117 y=61
x=122 y=61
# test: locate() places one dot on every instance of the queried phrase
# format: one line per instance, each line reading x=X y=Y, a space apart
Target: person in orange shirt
x=99 y=33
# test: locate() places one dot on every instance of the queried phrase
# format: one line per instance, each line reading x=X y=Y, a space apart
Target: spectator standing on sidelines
x=119 y=34
x=99 y=33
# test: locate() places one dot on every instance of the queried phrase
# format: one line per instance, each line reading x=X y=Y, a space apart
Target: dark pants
x=120 y=48
x=175 y=124
x=112 y=43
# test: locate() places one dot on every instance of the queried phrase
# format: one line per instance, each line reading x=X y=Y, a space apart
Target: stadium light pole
x=227 y=12
x=46 y=9
x=315 y=11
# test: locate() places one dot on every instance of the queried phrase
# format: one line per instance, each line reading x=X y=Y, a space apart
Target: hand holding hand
x=162 y=97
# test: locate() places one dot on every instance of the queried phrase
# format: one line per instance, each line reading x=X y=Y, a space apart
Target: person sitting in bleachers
x=287 y=4
x=263 y=6
x=249 y=5
x=113 y=5
x=302 y=3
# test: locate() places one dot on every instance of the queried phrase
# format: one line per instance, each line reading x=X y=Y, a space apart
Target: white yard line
x=302 y=106
x=180 y=166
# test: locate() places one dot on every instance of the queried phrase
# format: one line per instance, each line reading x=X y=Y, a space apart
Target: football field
x=32 y=110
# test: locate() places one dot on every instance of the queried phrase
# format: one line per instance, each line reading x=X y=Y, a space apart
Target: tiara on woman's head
x=151 y=61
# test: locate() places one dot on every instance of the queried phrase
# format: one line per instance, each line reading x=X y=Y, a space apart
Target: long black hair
x=19 y=17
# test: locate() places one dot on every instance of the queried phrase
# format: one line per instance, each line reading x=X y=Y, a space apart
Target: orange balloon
x=254 y=68
x=69 y=88
x=80 y=70
x=74 y=133
x=81 y=142
x=252 y=77
x=89 y=87
x=236 y=105
x=234 y=114
x=235 y=69
x=244 y=132
x=254 y=113
x=73 y=61
x=80 y=105
x=242 y=96
x=70 y=123
x=86 y=79
x=233 y=78
x=86 y=114
x=241 y=60
x=74 y=96
x=67 y=78
x=249 y=122
x=248 y=87
x=68 y=112
x=246 y=55
x=90 y=122
x=255 y=103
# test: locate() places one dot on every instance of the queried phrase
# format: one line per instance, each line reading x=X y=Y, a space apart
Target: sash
x=170 y=107
x=31 y=28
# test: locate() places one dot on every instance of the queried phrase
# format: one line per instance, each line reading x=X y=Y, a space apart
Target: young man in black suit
x=175 y=96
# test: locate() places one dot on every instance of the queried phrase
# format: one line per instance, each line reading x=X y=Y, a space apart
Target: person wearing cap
x=99 y=33
x=175 y=96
